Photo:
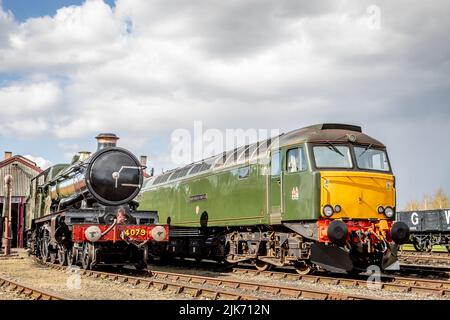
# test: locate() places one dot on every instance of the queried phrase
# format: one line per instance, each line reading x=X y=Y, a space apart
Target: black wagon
x=427 y=228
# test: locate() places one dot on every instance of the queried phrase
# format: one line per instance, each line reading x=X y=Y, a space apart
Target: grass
x=410 y=247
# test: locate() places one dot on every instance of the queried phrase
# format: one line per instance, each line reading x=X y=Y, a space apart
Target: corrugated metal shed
x=22 y=170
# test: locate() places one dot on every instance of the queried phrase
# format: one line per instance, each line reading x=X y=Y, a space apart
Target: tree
x=439 y=200
x=427 y=202
x=413 y=205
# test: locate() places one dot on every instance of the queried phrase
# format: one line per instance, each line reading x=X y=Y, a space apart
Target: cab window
x=295 y=160
x=332 y=156
x=275 y=164
x=371 y=159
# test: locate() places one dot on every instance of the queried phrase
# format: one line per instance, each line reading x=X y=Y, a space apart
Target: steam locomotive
x=84 y=213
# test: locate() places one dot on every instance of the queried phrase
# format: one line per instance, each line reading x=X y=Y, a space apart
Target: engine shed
x=22 y=171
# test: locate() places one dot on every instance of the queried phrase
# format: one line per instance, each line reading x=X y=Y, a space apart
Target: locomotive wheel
x=141 y=266
x=199 y=259
x=302 y=268
x=228 y=265
x=53 y=257
x=70 y=257
x=86 y=257
x=45 y=254
x=262 y=266
x=62 y=256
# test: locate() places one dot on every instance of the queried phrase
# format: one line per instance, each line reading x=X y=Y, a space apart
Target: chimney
x=83 y=155
x=8 y=155
x=144 y=161
x=106 y=140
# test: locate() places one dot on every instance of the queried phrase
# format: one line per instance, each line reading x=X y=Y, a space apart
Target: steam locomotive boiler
x=85 y=213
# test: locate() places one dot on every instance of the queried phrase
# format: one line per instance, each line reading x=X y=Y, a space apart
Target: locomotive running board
x=331 y=258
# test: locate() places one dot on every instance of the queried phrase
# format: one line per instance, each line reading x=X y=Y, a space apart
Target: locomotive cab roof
x=329 y=132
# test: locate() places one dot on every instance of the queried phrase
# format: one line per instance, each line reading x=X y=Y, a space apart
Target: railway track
x=438 y=288
x=217 y=289
x=389 y=282
x=426 y=259
x=27 y=291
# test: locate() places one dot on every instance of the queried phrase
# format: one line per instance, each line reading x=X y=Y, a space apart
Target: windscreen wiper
x=335 y=149
x=365 y=150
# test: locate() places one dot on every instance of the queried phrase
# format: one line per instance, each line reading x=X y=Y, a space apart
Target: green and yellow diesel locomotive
x=320 y=197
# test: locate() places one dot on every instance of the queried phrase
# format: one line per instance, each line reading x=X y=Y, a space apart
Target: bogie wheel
x=262 y=266
x=228 y=265
x=426 y=245
x=302 y=268
x=62 y=256
x=45 y=253
x=419 y=247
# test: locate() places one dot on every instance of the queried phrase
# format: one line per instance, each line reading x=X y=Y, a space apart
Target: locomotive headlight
x=328 y=211
x=380 y=210
x=389 y=212
x=337 y=208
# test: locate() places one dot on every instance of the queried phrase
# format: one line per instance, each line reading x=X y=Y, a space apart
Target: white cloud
x=24 y=127
x=21 y=99
x=40 y=162
x=6 y=26
x=145 y=68
x=75 y=36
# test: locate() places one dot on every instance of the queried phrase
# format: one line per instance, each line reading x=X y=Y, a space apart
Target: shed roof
x=18 y=158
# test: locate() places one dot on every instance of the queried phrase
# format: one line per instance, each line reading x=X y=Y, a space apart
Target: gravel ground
x=29 y=272
x=9 y=295
x=381 y=294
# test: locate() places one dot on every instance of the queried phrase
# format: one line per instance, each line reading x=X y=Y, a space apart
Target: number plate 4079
x=135 y=232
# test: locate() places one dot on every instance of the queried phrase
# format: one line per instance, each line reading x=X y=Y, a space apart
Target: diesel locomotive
x=428 y=228
x=320 y=197
x=84 y=213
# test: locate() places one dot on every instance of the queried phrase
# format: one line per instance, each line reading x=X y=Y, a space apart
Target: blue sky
x=24 y=9
x=146 y=68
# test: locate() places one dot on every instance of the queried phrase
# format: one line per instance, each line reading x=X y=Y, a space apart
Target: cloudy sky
x=70 y=69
